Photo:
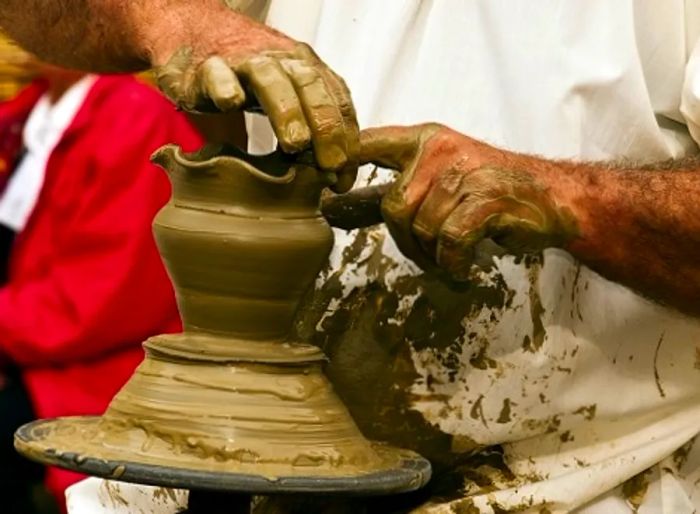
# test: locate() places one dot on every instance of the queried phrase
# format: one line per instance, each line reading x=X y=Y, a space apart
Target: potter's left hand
x=307 y=103
x=208 y=56
x=455 y=191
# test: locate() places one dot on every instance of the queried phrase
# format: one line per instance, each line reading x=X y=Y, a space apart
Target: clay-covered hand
x=248 y=65
x=454 y=192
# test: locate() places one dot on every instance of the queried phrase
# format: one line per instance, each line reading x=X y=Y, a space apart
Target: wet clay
x=241 y=246
x=264 y=417
x=236 y=391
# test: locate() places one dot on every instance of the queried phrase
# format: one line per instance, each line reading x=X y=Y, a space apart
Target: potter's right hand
x=454 y=192
x=243 y=64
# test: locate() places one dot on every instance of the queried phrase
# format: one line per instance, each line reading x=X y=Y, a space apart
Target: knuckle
x=450 y=236
x=393 y=207
x=327 y=121
x=432 y=126
x=423 y=231
x=305 y=50
x=286 y=109
x=340 y=81
x=427 y=130
x=450 y=181
x=214 y=64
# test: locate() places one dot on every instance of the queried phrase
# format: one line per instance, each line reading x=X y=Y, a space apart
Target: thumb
x=175 y=83
x=390 y=147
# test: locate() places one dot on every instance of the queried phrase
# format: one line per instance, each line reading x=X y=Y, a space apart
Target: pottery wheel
x=235 y=417
x=34 y=440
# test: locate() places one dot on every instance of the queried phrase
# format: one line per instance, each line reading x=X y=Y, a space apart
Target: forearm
x=638 y=227
x=117 y=35
x=83 y=34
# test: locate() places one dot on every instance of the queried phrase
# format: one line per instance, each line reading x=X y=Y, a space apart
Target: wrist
x=169 y=28
x=551 y=187
x=207 y=28
x=573 y=189
x=563 y=185
x=162 y=37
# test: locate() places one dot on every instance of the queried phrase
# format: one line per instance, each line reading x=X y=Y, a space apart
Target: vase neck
x=226 y=180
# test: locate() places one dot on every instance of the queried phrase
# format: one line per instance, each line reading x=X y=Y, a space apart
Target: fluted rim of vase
x=212 y=155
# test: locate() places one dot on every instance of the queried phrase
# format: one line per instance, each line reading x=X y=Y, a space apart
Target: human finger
x=389 y=147
x=398 y=214
x=322 y=115
x=220 y=84
x=273 y=88
x=176 y=80
x=341 y=94
x=444 y=195
x=399 y=228
x=467 y=225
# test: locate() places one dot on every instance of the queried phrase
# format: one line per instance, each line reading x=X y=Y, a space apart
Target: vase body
x=240 y=250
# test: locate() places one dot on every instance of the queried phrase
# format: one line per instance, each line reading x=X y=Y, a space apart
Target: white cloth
x=44 y=128
x=614 y=388
x=93 y=496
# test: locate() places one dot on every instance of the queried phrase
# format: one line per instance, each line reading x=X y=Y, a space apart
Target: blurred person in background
x=84 y=284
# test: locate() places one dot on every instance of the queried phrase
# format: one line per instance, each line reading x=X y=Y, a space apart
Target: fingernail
x=298 y=135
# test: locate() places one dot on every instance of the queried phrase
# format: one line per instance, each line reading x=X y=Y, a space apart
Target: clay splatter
x=635 y=489
x=587 y=411
x=536 y=312
x=656 y=369
x=505 y=415
x=477 y=410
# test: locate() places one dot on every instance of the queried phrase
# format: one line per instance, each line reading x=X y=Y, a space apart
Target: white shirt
x=613 y=388
x=43 y=130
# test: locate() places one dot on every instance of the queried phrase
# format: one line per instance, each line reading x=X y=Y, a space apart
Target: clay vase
x=241 y=244
x=234 y=402
x=242 y=241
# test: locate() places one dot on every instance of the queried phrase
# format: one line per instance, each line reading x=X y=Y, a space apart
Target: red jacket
x=86 y=284
x=13 y=115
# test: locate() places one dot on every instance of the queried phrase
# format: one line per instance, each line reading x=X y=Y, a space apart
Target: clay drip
x=235 y=393
x=264 y=418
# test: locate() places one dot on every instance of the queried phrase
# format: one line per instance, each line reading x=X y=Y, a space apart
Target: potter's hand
x=455 y=191
x=207 y=56
x=306 y=102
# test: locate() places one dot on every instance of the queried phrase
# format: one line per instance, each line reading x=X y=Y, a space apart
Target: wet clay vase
x=241 y=245
x=233 y=402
